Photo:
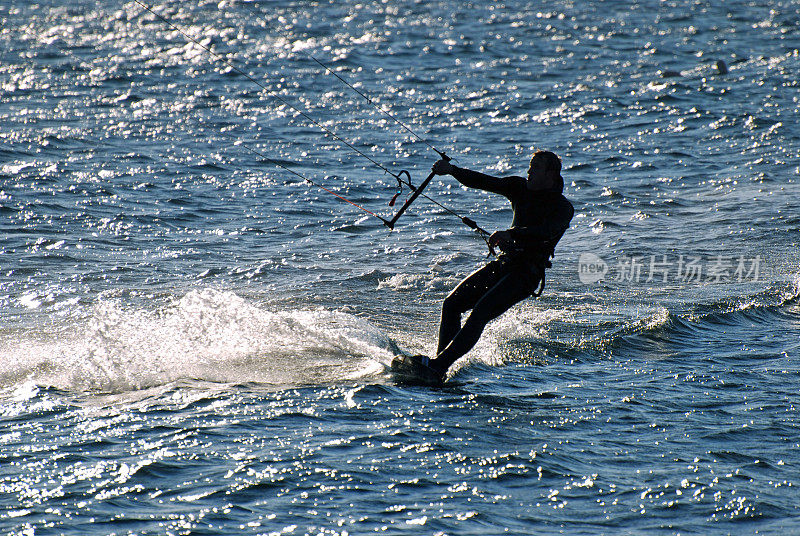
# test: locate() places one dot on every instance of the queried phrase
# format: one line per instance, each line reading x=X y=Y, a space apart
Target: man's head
x=544 y=172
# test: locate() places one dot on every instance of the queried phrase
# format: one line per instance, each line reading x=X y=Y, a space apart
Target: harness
x=548 y=250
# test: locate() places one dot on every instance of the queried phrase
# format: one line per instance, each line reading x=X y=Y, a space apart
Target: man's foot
x=416 y=369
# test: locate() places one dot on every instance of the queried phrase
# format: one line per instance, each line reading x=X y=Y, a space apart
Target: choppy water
x=193 y=341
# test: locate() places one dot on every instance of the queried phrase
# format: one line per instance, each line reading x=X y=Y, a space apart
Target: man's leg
x=511 y=288
x=463 y=298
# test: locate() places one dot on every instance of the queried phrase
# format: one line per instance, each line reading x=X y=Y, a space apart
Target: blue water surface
x=194 y=338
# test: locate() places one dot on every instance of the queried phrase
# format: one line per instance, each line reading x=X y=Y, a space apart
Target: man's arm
x=504 y=186
x=497 y=185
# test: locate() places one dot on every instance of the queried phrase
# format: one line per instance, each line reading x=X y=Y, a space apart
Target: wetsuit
x=540 y=219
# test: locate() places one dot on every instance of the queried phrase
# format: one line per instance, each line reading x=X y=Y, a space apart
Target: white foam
x=206 y=335
x=794 y=290
x=424 y=281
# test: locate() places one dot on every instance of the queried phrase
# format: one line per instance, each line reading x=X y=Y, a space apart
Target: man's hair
x=553 y=167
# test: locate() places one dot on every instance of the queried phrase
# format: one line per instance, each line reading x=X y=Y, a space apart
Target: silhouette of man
x=541 y=216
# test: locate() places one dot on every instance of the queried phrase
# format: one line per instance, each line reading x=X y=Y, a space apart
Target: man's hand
x=501 y=239
x=442 y=167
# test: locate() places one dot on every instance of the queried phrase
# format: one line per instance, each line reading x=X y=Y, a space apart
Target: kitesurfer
x=541 y=216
